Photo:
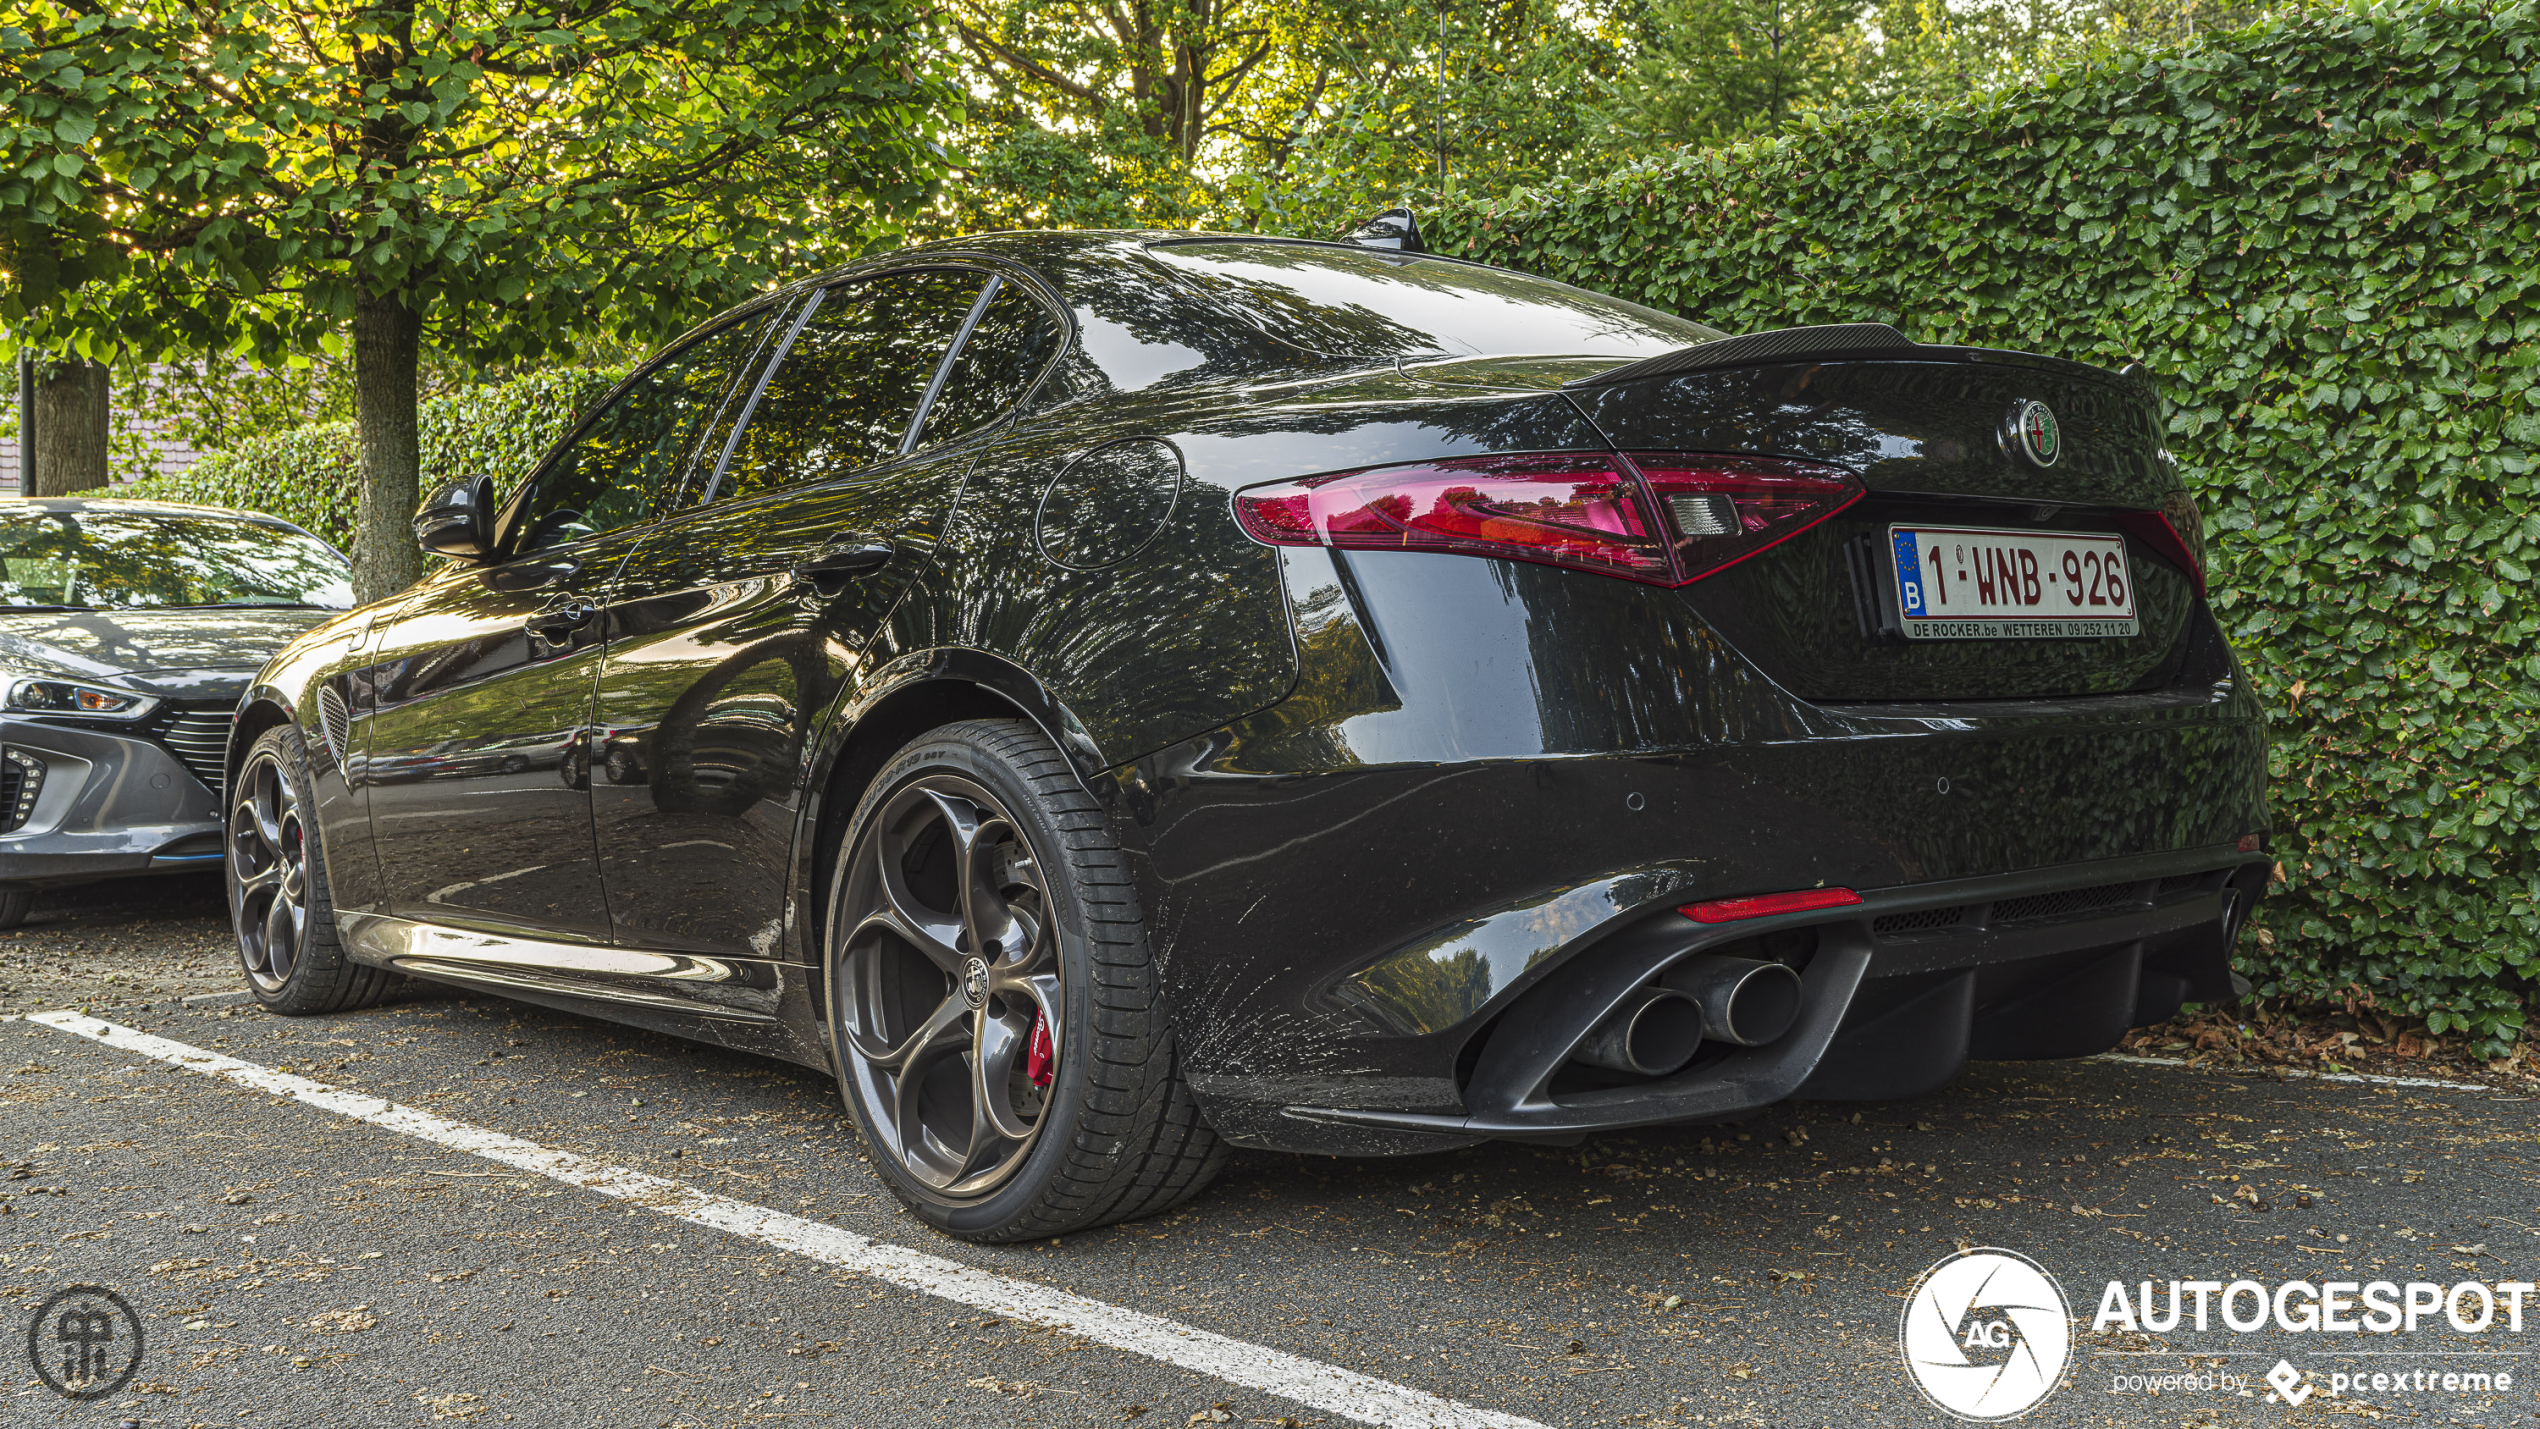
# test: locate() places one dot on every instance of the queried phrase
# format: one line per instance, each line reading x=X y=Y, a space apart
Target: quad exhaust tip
x=1653 y=1033
x=1744 y=1002
x=1739 y=1001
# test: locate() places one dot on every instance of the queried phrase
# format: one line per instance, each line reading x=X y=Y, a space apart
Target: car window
x=1364 y=302
x=996 y=365
x=624 y=466
x=112 y=560
x=849 y=383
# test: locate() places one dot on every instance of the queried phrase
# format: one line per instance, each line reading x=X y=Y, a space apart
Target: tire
x=15 y=904
x=279 y=906
x=1109 y=1130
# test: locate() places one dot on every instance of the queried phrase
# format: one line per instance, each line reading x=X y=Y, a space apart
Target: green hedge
x=308 y=475
x=2325 y=235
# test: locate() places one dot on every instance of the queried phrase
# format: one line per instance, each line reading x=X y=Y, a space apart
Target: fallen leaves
x=352 y=1320
x=1020 y=1388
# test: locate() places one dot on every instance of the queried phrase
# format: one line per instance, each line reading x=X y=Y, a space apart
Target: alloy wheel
x=948 y=987
x=268 y=868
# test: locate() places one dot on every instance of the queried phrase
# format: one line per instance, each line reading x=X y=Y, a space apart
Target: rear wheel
x=278 y=900
x=998 y=1022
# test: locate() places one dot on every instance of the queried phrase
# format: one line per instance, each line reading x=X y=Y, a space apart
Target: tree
x=1937 y=49
x=1112 y=99
x=499 y=177
x=73 y=417
x=1298 y=116
x=1712 y=70
x=1367 y=104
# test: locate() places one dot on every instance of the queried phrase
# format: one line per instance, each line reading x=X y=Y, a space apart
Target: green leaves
x=2281 y=223
x=227 y=173
x=309 y=475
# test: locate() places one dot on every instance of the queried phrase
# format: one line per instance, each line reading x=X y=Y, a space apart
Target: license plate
x=1971 y=583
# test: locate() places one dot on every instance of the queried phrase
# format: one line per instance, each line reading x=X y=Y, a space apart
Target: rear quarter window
x=1361 y=302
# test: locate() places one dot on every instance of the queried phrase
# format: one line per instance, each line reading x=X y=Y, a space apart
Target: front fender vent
x=335 y=723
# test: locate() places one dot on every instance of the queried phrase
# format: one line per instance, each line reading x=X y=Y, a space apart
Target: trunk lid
x=1931 y=433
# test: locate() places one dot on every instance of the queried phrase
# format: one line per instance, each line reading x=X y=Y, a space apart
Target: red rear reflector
x=2248 y=843
x=1766 y=905
x=1663 y=519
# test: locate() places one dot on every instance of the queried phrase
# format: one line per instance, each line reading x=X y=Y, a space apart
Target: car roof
x=136 y=506
x=1134 y=321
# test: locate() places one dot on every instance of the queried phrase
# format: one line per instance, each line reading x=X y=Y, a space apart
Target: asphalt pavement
x=292 y=1265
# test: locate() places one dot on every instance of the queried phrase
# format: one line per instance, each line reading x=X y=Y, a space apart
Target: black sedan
x=127 y=631
x=1110 y=696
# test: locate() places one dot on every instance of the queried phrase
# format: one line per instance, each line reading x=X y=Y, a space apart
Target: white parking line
x=1310 y=1382
x=2293 y=1073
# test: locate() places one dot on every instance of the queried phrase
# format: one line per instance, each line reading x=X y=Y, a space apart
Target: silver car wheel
x=268 y=864
x=948 y=990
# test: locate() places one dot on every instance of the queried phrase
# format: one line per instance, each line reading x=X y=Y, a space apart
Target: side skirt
x=743 y=1004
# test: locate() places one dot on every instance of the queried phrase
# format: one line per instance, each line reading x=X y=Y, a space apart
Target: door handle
x=556 y=624
x=831 y=570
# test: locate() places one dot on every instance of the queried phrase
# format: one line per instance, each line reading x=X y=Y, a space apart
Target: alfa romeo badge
x=2033 y=429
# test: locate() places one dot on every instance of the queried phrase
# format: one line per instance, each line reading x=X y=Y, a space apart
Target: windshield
x=1364 y=302
x=116 y=560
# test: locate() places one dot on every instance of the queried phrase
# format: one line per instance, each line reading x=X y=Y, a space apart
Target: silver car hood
x=184 y=654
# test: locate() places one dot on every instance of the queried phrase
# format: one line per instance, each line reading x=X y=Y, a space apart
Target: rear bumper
x=1487 y=772
x=1900 y=992
x=110 y=807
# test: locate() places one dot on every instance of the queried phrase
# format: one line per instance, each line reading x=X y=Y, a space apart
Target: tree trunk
x=385 y=335
x=73 y=409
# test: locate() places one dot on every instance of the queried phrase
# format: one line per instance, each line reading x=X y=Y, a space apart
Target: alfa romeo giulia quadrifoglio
x=1109 y=697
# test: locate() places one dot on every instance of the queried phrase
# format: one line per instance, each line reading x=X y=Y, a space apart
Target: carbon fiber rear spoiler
x=1820 y=343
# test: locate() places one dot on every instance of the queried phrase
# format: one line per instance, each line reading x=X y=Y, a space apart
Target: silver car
x=128 y=630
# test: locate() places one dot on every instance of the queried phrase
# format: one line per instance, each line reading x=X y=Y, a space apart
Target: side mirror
x=457 y=520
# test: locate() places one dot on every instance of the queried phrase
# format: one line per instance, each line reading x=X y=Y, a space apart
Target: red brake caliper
x=1038 y=1056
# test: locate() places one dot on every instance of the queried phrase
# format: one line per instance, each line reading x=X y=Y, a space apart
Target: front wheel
x=278 y=899
x=998 y=1023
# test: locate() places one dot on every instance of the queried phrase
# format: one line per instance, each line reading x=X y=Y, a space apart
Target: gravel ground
x=296 y=1268
x=134 y=940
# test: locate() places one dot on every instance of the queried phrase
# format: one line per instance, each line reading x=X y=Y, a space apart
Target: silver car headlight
x=38 y=695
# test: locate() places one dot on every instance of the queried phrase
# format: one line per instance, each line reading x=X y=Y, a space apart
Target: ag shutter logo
x=1986 y=1334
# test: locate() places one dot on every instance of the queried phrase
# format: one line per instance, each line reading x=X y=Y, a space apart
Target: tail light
x=2175 y=530
x=1726 y=508
x=1665 y=519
